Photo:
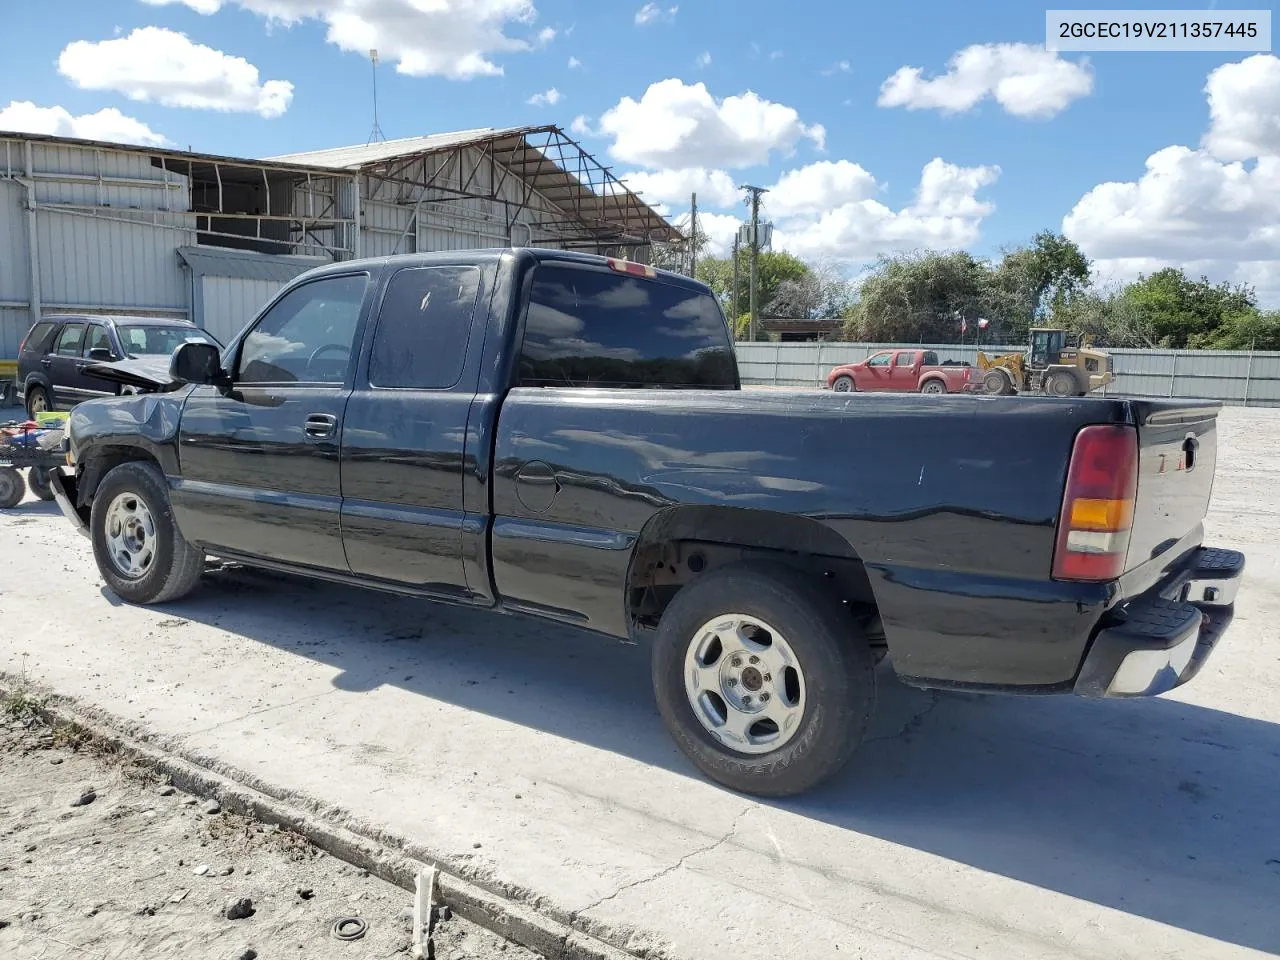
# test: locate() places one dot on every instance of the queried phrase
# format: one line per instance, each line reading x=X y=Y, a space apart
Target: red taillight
x=1097 y=508
x=632 y=268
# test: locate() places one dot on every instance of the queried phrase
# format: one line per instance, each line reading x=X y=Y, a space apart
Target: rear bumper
x=64 y=493
x=1160 y=639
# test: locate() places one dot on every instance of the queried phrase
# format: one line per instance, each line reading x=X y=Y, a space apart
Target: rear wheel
x=933 y=386
x=1061 y=384
x=843 y=385
x=12 y=488
x=37 y=401
x=141 y=554
x=762 y=679
x=39 y=482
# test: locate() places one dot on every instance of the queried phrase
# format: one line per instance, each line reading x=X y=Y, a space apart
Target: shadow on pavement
x=1156 y=808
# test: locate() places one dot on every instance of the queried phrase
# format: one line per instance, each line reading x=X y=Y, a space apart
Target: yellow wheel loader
x=1058 y=364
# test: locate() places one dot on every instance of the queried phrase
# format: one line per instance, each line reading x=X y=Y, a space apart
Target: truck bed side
x=950 y=504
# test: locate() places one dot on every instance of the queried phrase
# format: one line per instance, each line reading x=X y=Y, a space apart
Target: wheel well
x=103 y=460
x=682 y=543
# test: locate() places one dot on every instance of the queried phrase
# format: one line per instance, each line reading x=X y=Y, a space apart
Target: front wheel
x=843 y=385
x=762 y=679
x=141 y=554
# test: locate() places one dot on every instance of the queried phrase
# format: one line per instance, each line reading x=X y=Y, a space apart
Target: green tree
x=1031 y=282
x=1245 y=331
x=1180 y=312
x=774 y=269
x=918 y=297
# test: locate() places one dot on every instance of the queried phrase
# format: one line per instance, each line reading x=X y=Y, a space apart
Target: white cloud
x=1213 y=211
x=704 y=58
x=676 y=125
x=946 y=214
x=775 y=54
x=1186 y=203
x=652 y=13
x=574 y=63
x=457 y=39
x=109 y=124
x=715 y=188
x=1244 y=108
x=152 y=63
x=841 y=67
x=817 y=187
x=581 y=126
x=720 y=229
x=547 y=98
x=546 y=35
x=1026 y=80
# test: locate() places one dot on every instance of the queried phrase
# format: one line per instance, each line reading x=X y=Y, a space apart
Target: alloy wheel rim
x=744 y=683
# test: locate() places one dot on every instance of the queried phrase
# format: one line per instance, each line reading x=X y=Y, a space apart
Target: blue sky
x=824 y=61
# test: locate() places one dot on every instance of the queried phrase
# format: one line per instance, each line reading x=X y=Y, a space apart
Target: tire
x=39 y=483
x=843 y=385
x=128 y=497
x=37 y=401
x=996 y=382
x=933 y=386
x=1061 y=384
x=12 y=488
x=830 y=691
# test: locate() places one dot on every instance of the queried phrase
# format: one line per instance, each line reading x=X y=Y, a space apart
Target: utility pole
x=734 y=295
x=693 y=235
x=755 y=253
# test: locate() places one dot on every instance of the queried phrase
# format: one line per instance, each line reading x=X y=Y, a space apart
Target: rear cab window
x=594 y=327
x=905 y=358
x=424 y=327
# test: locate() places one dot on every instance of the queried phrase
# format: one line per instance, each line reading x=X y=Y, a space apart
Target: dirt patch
x=101 y=859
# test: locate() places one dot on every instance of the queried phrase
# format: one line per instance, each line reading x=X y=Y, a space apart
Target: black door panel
x=404 y=440
x=254 y=481
x=260 y=461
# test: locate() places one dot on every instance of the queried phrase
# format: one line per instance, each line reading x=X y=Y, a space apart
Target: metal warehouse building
x=107 y=228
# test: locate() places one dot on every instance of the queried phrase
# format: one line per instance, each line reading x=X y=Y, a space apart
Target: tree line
x=927 y=296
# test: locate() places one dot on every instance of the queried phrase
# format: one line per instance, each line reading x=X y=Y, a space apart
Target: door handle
x=320 y=425
x=46 y=362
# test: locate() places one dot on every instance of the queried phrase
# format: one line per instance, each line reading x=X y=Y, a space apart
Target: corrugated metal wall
x=231 y=302
x=107 y=225
x=1231 y=376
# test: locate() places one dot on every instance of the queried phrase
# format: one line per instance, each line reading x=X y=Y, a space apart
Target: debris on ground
x=100 y=858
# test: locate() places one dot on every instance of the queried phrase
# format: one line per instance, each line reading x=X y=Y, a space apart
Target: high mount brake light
x=1097 y=506
x=632 y=268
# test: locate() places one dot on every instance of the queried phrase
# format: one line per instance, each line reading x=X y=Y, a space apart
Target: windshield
x=141 y=340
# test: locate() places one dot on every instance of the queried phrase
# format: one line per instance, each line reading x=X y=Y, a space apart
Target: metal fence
x=1234 y=377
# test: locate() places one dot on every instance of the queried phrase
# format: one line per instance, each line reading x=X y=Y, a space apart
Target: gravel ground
x=99 y=859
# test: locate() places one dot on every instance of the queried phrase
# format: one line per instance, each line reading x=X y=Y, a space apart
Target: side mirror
x=101 y=355
x=197 y=363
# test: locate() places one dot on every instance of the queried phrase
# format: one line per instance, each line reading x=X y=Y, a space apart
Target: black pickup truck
x=565 y=435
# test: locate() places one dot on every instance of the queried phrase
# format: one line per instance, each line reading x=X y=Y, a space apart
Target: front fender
x=110 y=430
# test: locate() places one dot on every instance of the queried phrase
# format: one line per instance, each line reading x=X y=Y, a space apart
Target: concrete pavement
x=530 y=759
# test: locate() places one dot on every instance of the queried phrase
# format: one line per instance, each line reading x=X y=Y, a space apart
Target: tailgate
x=1177 y=453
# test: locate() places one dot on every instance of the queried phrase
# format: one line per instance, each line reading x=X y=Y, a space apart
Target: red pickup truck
x=905 y=371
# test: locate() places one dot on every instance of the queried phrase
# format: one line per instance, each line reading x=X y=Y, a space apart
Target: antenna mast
x=376 y=133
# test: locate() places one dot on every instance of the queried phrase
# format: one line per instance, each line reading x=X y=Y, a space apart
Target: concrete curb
x=515 y=921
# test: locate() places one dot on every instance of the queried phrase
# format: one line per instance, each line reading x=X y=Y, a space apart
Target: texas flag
x=983 y=322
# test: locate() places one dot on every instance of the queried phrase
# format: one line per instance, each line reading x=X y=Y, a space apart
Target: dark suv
x=54 y=353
